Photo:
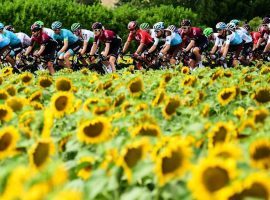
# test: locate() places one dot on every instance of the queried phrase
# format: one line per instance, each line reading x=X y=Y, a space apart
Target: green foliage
x=23 y=13
x=254 y=23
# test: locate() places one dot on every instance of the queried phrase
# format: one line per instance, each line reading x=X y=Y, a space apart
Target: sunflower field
x=130 y=135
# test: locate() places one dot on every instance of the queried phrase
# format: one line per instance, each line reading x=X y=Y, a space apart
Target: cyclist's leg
x=66 y=58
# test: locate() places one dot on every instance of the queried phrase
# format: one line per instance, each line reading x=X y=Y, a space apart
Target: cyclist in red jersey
x=265 y=35
x=112 y=43
x=142 y=36
x=195 y=42
x=47 y=46
x=255 y=37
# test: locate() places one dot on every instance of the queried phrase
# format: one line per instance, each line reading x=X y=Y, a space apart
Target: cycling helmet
x=231 y=26
x=56 y=25
x=208 y=31
x=159 y=26
x=171 y=28
x=235 y=21
x=97 y=25
x=266 y=20
x=132 y=25
x=40 y=23
x=247 y=27
x=75 y=27
x=144 y=26
x=186 y=22
x=10 y=28
x=35 y=27
x=221 y=26
x=2 y=26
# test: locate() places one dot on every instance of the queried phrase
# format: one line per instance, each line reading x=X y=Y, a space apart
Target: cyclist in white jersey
x=85 y=35
x=48 y=31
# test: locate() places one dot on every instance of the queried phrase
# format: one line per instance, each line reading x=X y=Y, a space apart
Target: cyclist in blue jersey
x=172 y=45
x=15 y=42
x=233 y=43
x=4 y=47
x=71 y=43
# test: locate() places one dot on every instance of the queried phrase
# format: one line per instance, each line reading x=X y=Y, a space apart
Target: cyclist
x=15 y=42
x=209 y=33
x=4 y=47
x=85 y=35
x=194 y=42
x=158 y=37
x=112 y=44
x=143 y=37
x=232 y=44
x=47 y=45
x=265 y=35
x=71 y=43
x=172 y=44
x=24 y=38
x=219 y=39
x=48 y=31
x=244 y=33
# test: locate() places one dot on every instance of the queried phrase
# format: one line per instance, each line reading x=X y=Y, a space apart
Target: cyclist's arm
x=93 y=49
x=267 y=47
x=225 y=50
x=154 y=46
x=259 y=42
x=85 y=43
x=126 y=46
x=190 y=45
x=140 y=48
x=107 y=48
x=65 y=46
x=28 y=50
x=40 y=51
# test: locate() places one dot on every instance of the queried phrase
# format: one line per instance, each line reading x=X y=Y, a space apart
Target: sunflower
x=131 y=155
x=265 y=70
x=7 y=71
x=262 y=95
x=40 y=153
x=185 y=70
x=247 y=123
x=226 y=151
x=5 y=113
x=36 y=105
x=173 y=161
x=228 y=73
x=94 y=131
x=45 y=81
x=217 y=74
x=167 y=77
x=62 y=143
x=239 y=112
x=8 y=139
x=189 y=80
x=85 y=71
x=226 y=95
x=1 y=80
x=259 y=152
x=119 y=100
x=61 y=103
x=210 y=177
x=26 y=78
x=170 y=107
x=135 y=86
x=89 y=103
x=85 y=167
x=260 y=115
x=147 y=129
x=63 y=84
x=16 y=103
x=107 y=84
x=222 y=132
x=255 y=186
x=3 y=95
x=47 y=123
x=68 y=194
x=205 y=110
x=101 y=110
x=36 y=96
x=160 y=96
x=11 y=90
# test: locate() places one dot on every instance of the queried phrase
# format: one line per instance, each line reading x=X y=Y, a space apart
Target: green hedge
x=22 y=13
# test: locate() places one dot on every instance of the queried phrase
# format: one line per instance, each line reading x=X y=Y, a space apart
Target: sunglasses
x=265 y=25
x=219 y=30
x=156 y=31
x=184 y=27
